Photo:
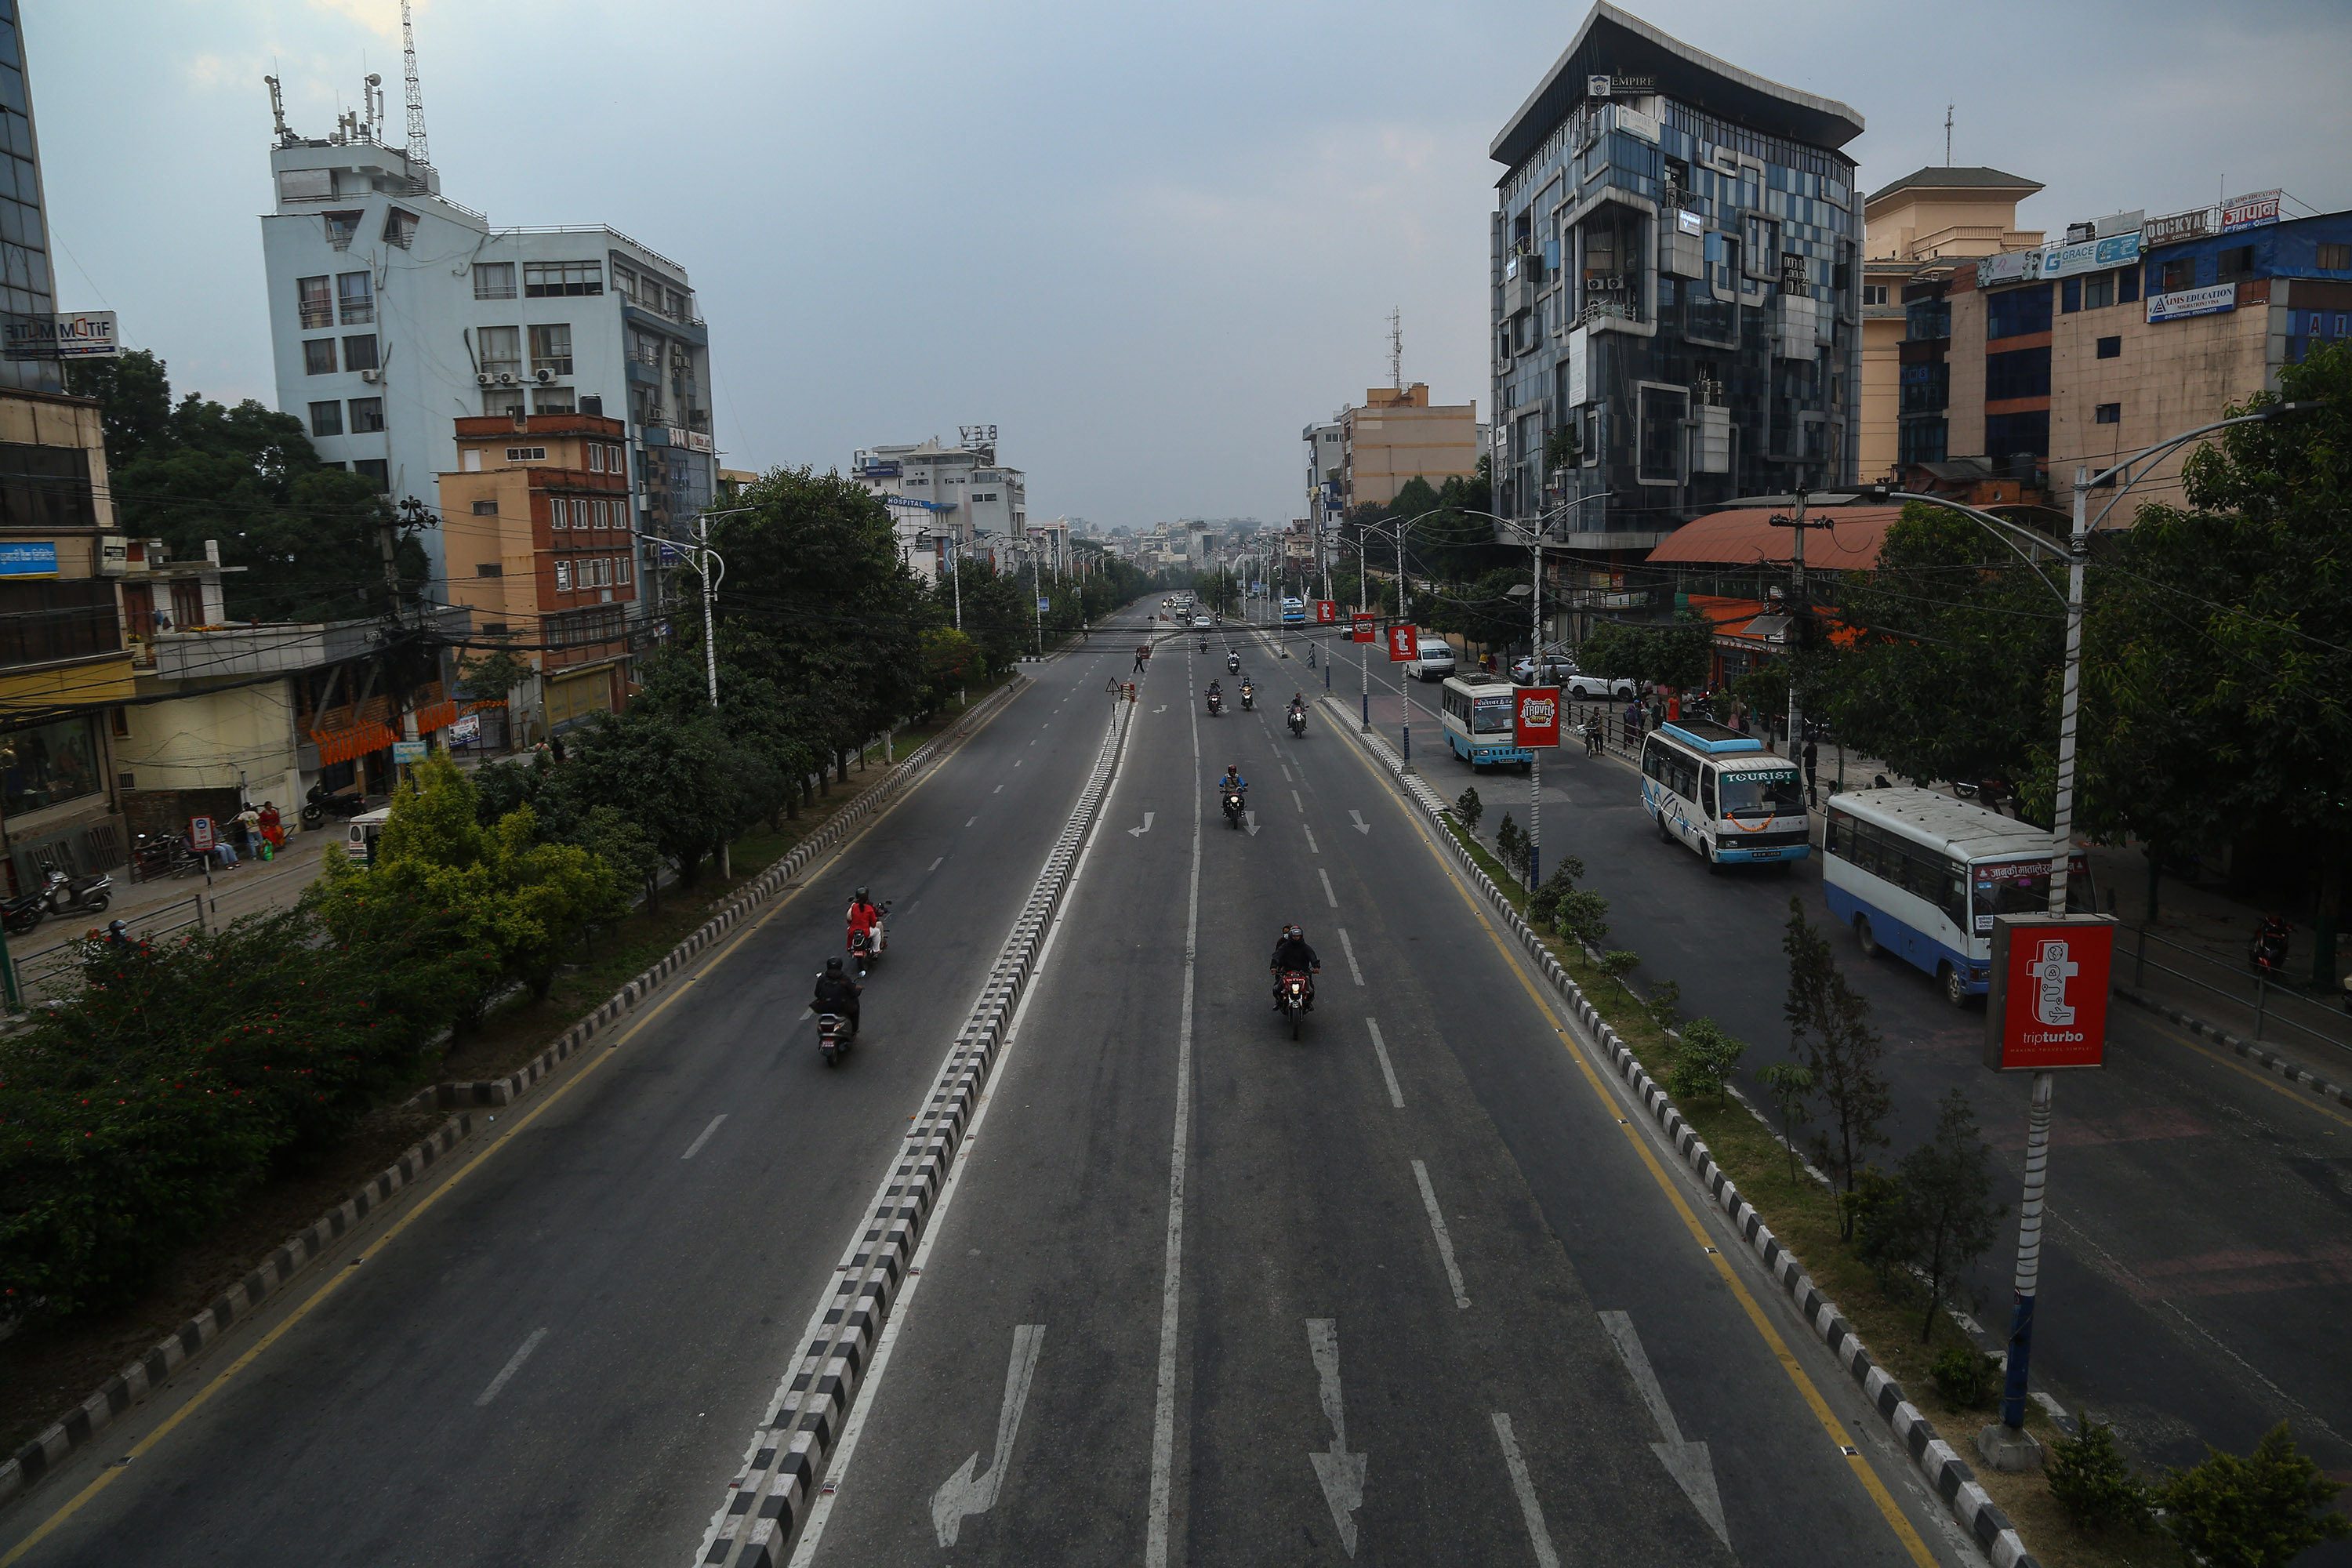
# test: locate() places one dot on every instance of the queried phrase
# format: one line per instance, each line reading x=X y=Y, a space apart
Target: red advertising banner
x=1364 y=631
x=1534 y=715
x=2047 y=1003
x=1327 y=612
x=1405 y=642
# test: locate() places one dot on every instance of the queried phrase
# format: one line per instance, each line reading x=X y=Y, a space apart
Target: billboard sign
x=1534 y=715
x=407 y=751
x=2176 y=227
x=1405 y=642
x=1327 y=612
x=74 y=334
x=28 y=558
x=2182 y=303
x=2016 y=266
x=2252 y=211
x=1362 y=630
x=2090 y=255
x=2047 y=1005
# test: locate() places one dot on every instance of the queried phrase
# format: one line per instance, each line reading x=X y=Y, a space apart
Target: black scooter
x=1298 y=723
x=2268 y=952
x=66 y=895
x=1233 y=807
x=23 y=913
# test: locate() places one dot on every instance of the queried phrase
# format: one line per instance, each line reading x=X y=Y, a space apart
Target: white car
x=1436 y=660
x=1200 y=622
x=1600 y=687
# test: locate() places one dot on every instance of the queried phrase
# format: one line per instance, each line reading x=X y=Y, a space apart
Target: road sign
x=1405 y=642
x=200 y=835
x=1326 y=612
x=2047 y=1005
x=404 y=752
x=1536 y=715
x=1363 y=631
x=1044 y=603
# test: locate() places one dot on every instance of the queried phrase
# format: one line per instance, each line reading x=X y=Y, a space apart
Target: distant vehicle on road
x=1200 y=622
x=1436 y=660
x=1476 y=714
x=1921 y=875
x=1558 y=668
x=1721 y=794
x=1294 y=611
x=1600 y=687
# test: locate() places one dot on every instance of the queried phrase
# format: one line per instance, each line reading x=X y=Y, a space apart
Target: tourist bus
x=1719 y=793
x=1294 y=610
x=1921 y=875
x=1479 y=721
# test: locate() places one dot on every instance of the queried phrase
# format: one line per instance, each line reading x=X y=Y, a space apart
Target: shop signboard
x=2252 y=211
x=72 y=334
x=406 y=752
x=2182 y=303
x=2015 y=267
x=2090 y=255
x=2177 y=228
x=28 y=558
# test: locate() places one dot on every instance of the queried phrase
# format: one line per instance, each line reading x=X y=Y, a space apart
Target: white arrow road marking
x=1686 y=1462
x=1380 y=1049
x=1525 y=1486
x=695 y=1147
x=1437 y=1224
x=1139 y=832
x=1250 y=819
x=1162 y=708
x=1349 y=949
x=514 y=1366
x=961 y=1494
x=1356 y=817
x=1341 y=1473
x=1329 y=896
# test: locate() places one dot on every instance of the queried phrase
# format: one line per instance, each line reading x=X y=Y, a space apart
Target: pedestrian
x=248 y=822
x=273 y=826
x=1813 y=755
x=1141 y=653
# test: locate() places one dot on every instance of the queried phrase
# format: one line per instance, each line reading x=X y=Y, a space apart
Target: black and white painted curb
x=1942 y=1466
x=770 y=1495
x=133 y=1382
x=2268 y=1060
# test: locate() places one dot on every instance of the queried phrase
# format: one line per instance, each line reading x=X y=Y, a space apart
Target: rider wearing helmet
x=1232 y=782
x=1291 y=952
x=837 y=993
x=864 y=916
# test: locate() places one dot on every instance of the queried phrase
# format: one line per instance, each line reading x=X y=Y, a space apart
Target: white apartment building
x=394 y=311
x=950 y=496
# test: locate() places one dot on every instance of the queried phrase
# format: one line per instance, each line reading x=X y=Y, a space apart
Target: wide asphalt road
x=1411 y=1288
x=551 y=1355
x=2200 y=1242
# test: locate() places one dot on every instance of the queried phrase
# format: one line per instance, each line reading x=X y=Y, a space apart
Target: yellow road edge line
x=1773 y=1342
x=335 y=1282
x=2269 y=1080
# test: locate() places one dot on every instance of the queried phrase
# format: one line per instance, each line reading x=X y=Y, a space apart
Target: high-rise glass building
x=25 y=289
x=1677 y=247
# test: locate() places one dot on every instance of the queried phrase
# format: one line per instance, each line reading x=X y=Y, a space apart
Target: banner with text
x=2046 y=1001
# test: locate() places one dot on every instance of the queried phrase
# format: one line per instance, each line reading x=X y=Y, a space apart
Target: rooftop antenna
x=277 y=112
x=374 y=97
x=417 y=151
x=1948 y=136
x=1396 y=349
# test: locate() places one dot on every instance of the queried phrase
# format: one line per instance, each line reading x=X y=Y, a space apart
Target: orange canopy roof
x=1745 y=536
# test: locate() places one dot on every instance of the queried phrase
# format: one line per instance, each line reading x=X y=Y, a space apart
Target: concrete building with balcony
x=535 y=522
x=395 y=309
x=1675 y=247
x=944 y=499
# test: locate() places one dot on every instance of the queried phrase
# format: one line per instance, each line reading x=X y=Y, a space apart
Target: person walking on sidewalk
x=1813 y=755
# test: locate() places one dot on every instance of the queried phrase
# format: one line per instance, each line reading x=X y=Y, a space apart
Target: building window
x=2108 y=414
x=621 y=571
x=2179 y=275
x=553 y=400
x=327 y=418
x=341 y=228
x=319 y=356
x=1927 y=389
x=359 y=353
x=2111 y=348
x=499 y=403
x=1926 y=321
x=49 y=765
x=46 y=487
x=2013 y=312
x=2016 y=434
x=488 y=568
x=624 y=281
x=502 y=351
x=399 y=227
x=1874 y=293
x=681 y=306
x=355 y=294
x=317 y=310
x=2128 y=286
x=2070 y=296
x=548 y=279
x=2333 y=258
x=563 y=576
x=600 y=573
x=1923 y=440
x=2233 y=264
x=550 y=349
x=1662 y=433
x=486 y=508
x=494 y=280
x=377 y=471
x=2098 y=291
x=2020 y=372
x=526 y=454
x=367 y=415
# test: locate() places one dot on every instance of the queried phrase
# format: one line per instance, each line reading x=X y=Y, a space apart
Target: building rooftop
x=1950 y=177
x=1617 y=43
x=1745 y=536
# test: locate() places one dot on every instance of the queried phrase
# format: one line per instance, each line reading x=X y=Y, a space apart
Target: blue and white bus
x=1294 y=610
x=1920 y=874
x=1719 y=793
x=1479 y=721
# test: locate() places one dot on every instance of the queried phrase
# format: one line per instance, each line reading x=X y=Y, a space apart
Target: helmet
x=1293 y=933
x=833 y=965
x=116 y=927
x=862 y=898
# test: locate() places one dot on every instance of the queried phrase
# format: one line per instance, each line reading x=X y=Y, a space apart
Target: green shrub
x=1966 y=1378
x=1544 y=902
x=1511 y=847
x=1705 y=1063
x=1469 y=808
x=1663 y=1004
x=2255 y=1512
x=2092 y=1482
x=1583 y=916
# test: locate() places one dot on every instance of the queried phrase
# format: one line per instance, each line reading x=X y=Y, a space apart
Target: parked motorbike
x=833 y=1037
x=23 y=913
x=2268 y=952
x=63 y=895
x=319 y=808
x=1292 y=993
x=1299 y=722
x=1233 y=807
x=152 y=859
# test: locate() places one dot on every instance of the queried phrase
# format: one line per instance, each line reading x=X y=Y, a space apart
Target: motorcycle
x=155 y=858
x=833 y=1037
x=1299 y=722
x=61 y=895
x=865 y=947
x=1216 y=704
x=23 y=913
x=1204 y=645
x=1249 y=698
x=319 y=808
x=1233 y=807
x=1232 y=664
x=1292 y=994
x=2268 y=952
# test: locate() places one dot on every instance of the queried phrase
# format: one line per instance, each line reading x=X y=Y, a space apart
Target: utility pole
x=1798 y=624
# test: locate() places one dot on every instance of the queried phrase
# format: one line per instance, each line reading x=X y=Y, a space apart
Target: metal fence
x=54 y=971
x=2233 y=996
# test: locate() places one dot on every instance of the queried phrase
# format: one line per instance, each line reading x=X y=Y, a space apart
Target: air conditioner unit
x=544 y=377
x=485 y=378
x=506 y=378
x=370 y=376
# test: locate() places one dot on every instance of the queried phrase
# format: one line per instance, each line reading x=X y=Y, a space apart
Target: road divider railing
x=770 y=1495
x=1953 y=1482
x=132 y=1384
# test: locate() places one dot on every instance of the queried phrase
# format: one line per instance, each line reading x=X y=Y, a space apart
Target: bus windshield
x=2023 y=888
x=1491 y=715
x=1762 y=794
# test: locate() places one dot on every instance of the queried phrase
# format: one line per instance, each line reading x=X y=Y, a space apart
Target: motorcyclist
x=1232 y=782
x=1217 y=695
x=1233 y=663
x=836 y=993
x=1249 y=692
x=1291 y=952
x=2269 y=947
x=864 y=917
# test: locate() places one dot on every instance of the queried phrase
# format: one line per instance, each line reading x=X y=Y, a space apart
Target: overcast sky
x=1148 y=243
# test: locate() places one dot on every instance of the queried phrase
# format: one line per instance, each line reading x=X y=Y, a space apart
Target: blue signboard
x=28 y=558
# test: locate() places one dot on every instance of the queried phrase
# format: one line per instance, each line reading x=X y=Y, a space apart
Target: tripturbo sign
x=2046 y=1005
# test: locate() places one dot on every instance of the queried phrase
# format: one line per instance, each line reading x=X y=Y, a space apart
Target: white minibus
x=1721 y=794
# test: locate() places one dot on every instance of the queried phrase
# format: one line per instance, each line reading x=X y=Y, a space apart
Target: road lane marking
x=1355 y=818
x=961 y=1495
x=1523 y=1484
x=1437 y=1224
x=1298 y=802
x=1286 y=768
x=935 y=864
x=1349 y=949
x=1172 y=1289
x=1686 y=1462
x=1139 y=832
x=514 y=1364
x=1380 y=1049
x=969 y=821
x=1330 y=897
x=2275 y=1084
x=1312 y=849
x=695 y=1147
x=1888 y=1507
x=1341 y=1472
x=998 y=790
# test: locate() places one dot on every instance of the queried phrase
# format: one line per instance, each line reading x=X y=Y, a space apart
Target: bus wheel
x=1956 y=989
x=1663 y=831
x=1861 y=935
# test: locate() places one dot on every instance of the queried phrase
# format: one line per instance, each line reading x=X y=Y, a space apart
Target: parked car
x=1600 y=687
x=1436 y=660
x=1558 y=668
